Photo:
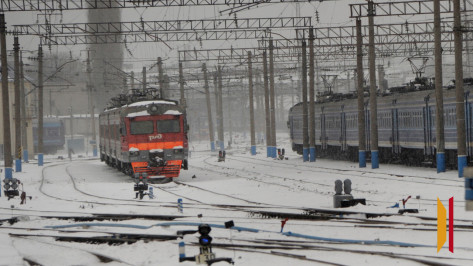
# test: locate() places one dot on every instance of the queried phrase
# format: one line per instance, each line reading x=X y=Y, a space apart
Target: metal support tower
x=305 y=115
x=361 y=97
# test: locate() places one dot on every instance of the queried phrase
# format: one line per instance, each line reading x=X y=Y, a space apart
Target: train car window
x=169 y=126
x=141 y=127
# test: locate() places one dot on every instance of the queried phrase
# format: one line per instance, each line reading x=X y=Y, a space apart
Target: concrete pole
x=252 y=110
x=16 y=49
x=209 y=108
x=220 y=110
x=24 y=139
x=311 y=96
x=144 y=79
x=160 y=78
x=272 y=100
x=181 y=85
x=373 y=102
x=439 y=122
x=360 y=92
x=91 y=105
x=459 y=92
x=305 y=110
x=5 y=102
x=266 y=105
x=40 y=101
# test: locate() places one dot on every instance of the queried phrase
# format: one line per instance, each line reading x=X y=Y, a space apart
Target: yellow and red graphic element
x=442 y=225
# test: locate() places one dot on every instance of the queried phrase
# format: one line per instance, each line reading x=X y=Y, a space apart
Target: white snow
x=172 y=112
x=133 y=149
x=141 y=113
x=243 y=183
x=156 y=150
x=177 y=147
x=146 y=103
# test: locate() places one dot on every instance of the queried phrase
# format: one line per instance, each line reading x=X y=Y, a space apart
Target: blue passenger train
x=406 y=127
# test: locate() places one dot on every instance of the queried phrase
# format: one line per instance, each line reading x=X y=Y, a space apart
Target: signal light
x=205 y=239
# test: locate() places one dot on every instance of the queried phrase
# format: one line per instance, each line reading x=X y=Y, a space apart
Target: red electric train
x=143 y=134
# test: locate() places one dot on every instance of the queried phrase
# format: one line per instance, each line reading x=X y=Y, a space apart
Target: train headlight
x=134 y=153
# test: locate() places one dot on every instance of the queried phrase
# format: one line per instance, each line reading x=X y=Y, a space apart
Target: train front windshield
x=168 y=126
x=141 y=127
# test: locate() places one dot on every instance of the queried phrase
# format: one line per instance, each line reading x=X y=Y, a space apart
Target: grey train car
x=406 y=128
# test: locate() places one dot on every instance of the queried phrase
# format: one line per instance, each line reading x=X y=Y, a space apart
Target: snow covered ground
x=256 y=192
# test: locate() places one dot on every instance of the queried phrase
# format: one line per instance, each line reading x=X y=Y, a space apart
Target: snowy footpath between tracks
x=8 y=254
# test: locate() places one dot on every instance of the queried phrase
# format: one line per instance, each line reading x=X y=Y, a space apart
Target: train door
x=427 y=118
x=343 y=130
x=396 y=148
x=468 y=126
x=323 y=135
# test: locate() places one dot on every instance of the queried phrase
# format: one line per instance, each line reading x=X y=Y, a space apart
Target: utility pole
x=144 y=79
x=220 y=110
x=361 y=97
x=91 y=105
x=24 y=138
x=252 y=111
x=40 y=104
x=373 y=94
x=311 y=96
x=5 y=102
x=160 y=77
x=305 y=118
x=273 y=104
x=266 y=105
x=209 y=108
x=459 y=91
x=181 y=85
x=439 y=122
x=16 y=49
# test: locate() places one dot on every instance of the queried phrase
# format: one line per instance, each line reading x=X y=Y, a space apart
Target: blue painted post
x=212 y=146
x=461 y=164
x=440 y=162
x=40 y=159
x=362 y=159
x=18 y=165
x=222 y=146
x=312 y=154
x=374 y=160
x=150 y=193
x=182 y=250
x=275 y=152
x=253 y=150
x=8 y=172
x=25 y=155
x=468 y=193
x=95 y=151
x=305 y=154
x=180 y=206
